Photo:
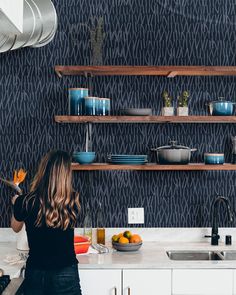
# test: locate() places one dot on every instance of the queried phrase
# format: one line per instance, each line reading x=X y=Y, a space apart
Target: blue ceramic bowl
x=214 y=158
x=221 y=108
x=84 y=157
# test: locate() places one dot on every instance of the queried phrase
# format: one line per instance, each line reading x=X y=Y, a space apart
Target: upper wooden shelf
x=145 y=119
x=153 y=167
x=168 y=71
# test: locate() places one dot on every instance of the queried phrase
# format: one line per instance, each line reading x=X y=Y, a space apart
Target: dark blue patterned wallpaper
x=124 y=32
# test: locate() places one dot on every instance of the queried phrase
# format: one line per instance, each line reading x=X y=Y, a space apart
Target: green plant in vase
x=168 y=109
x=182 y=109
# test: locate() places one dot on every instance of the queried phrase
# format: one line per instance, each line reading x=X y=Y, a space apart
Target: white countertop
x=9 y=248
x=151 y=255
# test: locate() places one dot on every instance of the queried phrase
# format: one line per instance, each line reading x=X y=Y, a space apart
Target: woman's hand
x=13 y=199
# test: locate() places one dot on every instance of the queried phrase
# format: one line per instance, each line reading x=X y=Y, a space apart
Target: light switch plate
x=135 y=215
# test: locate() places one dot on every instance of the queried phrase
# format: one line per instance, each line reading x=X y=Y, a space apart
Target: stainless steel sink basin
x=194 y=255
x=228 y=255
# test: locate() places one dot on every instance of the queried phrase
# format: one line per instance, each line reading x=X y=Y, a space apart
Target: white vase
x=22 y=240
x=167 y=111
x=182 y=111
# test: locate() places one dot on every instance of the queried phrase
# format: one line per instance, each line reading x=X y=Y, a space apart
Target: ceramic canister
x=76 y=101
x=211 y=158
x=104 y=107
x=90 y=105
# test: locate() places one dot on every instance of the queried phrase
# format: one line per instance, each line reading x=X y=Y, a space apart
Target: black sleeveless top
x=50 y=248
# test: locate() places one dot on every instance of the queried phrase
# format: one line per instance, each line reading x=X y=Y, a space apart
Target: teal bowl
x=214 y=159
x=84 y=157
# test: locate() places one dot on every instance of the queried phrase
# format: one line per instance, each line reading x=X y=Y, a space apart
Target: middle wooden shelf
x=145 y=119
x=153 y=167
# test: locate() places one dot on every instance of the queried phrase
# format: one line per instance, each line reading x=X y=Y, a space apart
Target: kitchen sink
x=194 y=255
x=228 y=255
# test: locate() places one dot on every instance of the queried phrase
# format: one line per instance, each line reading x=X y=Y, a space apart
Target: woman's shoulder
x=24 y=205
x=27 y=201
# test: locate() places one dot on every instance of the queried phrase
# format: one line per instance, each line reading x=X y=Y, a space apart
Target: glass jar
x=100 y=226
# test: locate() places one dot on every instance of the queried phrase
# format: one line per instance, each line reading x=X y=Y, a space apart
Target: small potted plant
x=168 y=109
x=182 y=109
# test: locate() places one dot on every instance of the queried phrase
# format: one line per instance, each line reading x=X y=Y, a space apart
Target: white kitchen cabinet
x=146 y=282
x=234 y=283
x=100 y=281
x=202 y=282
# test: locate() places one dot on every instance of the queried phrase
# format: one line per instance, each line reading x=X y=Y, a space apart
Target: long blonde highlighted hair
x=52 y=184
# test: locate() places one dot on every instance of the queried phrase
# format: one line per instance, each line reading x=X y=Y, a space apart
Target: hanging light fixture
x=38 y=28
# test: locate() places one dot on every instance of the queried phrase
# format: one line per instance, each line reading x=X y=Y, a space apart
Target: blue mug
x=76 y=101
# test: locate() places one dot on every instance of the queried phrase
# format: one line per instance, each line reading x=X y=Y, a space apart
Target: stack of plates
x=39 y=26
x=136 y=112
x=128 y=159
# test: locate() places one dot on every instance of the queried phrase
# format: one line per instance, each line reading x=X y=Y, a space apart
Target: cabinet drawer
x=202 y=282
x=146 y=282
x=100 y=281
x=234 y=284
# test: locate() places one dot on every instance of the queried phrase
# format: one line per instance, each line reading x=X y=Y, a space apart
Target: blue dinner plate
x=128 y=156
x=128 y=162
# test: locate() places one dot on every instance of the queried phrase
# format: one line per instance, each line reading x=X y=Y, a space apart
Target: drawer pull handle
x=129 y=291
x=115 y=289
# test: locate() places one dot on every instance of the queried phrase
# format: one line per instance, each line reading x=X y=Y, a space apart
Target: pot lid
x=220 y=101
x=173 y=145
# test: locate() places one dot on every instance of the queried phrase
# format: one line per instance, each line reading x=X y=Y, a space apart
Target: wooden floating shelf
x=145 y=119
x=153 y=167
x=167 y=71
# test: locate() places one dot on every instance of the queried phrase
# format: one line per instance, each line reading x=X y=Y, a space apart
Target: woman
x=49 y=212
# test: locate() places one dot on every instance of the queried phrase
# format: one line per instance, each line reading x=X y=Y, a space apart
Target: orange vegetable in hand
x=19 y=176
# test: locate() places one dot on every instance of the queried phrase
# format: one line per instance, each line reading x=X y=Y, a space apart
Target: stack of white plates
x=39 y=26
x=128 y=159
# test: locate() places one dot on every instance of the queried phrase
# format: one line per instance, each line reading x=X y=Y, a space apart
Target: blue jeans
x=63 y=281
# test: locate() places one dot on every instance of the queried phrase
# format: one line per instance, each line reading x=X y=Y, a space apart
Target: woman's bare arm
x=16 y=225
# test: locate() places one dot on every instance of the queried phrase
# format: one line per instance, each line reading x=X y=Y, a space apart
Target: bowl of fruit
x=127 y=242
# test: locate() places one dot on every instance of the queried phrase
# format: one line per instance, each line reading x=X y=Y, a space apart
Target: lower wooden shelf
x=145 y=119
x=153 y=167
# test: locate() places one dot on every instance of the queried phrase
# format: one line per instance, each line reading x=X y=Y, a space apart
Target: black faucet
x=216 y=205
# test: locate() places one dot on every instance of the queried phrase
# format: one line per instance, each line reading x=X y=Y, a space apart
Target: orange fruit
x=123 y=240
x=115 y=239
x=120 y=235
x=127 y=234
x=135 y=239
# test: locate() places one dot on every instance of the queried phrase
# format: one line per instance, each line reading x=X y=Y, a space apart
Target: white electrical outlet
x=135 y=215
